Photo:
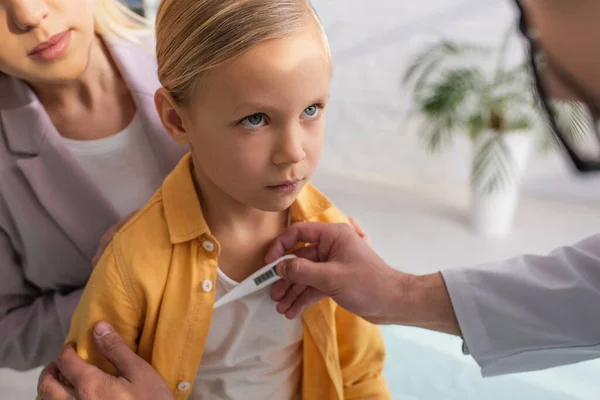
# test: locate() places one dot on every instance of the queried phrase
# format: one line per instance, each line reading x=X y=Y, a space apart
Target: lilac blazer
x=52 y=215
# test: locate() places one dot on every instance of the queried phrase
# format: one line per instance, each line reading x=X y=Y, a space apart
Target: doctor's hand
x=338 y=263
x=137 y=379
x=358 y=228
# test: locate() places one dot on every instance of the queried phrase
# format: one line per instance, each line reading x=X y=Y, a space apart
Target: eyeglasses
x=574 y=124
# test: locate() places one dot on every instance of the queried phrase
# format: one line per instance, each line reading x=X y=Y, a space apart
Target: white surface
x=435 y=369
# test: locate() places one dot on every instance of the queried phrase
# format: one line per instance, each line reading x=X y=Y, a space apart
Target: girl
x=245 y=86
x=77 y=79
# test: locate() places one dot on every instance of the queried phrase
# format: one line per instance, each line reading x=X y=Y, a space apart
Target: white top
x=530 y=312
x=123 y=166
x=252 y=352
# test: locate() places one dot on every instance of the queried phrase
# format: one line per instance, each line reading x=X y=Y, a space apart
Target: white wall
x=368 y=135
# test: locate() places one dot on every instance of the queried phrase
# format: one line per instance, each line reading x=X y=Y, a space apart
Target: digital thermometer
x=265 y=276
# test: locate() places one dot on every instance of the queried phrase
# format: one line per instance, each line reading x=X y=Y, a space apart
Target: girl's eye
x=254 y=121
x=312 y=111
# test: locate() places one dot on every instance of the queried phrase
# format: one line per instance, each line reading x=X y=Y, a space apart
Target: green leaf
x=427 y=63
x=476 y=125
x=443 y=106
x=493 y=166
x=502 y=52
x=520 y=123
x=574 y=121
x=515 y=77
x=421 y=83
x=431 y=54
x=455 y=92
x=448 y=96
x=438 y=136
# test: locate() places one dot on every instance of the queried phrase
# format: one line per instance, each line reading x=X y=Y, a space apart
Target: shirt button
x=207 y=285
x=183 y=386
x=208 y=246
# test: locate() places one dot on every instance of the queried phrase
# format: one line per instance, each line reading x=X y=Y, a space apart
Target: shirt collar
x=183 y=212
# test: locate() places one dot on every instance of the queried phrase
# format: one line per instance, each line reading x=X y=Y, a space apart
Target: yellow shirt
x=155 y=282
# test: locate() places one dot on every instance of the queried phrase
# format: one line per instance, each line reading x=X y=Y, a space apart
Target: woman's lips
x=52 y=49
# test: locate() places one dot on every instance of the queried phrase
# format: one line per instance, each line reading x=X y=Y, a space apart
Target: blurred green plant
x=455 y=91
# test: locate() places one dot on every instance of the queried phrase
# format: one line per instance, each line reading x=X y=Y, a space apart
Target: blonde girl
x=245 y=85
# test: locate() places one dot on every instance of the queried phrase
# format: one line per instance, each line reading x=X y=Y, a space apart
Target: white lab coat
x=530 y=312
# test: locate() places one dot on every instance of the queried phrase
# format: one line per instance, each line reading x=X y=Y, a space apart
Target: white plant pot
x=493 y=213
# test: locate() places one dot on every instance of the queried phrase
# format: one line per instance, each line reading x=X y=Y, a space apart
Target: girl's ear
x=171 y=116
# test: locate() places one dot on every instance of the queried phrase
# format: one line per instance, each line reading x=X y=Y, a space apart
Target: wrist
x=423 y=301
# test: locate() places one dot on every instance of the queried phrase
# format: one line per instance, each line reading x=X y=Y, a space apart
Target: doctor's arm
x=525 y=313
x=530 y=312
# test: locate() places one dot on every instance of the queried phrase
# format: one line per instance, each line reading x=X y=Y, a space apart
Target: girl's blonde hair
x=193 y=36
x=113 y=19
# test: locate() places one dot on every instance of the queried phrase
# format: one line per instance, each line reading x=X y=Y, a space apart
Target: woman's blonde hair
x=113 y=19
x=193 y=36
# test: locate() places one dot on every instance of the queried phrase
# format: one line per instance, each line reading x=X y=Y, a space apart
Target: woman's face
x=568 y=32
x=45 y=41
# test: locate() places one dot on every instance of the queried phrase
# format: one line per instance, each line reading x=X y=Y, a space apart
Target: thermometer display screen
x=264 y=277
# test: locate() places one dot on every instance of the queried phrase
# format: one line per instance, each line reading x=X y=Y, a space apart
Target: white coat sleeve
x=530 y=312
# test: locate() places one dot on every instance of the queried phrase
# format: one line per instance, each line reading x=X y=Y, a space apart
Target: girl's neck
x=244 y=233
x=227 y=217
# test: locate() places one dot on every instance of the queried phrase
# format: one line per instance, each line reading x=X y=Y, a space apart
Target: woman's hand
x=137 y=378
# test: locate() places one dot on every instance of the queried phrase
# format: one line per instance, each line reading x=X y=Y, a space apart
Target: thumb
x=305 y=272
x=113 y=347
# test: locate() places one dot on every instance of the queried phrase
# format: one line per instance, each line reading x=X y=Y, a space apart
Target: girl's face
x=256 y=123
x=45 y=41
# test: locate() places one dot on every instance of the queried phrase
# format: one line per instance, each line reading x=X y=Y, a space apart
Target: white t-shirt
x=252 y=352
x=123 y=166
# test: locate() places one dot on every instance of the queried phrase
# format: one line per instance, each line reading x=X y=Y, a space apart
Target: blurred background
x=423 y=209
